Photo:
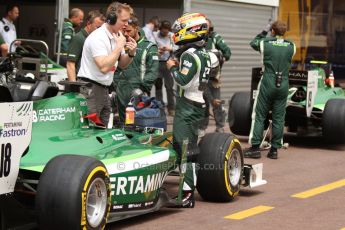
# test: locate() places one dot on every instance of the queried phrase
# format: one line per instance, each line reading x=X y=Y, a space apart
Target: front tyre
x=73 y=193
x=221 y=167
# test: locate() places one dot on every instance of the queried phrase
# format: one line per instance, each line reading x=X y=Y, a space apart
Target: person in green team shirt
x=75 y=19
x=94 y=20
x=141 y=73
x=190 y=73
x=272 y=92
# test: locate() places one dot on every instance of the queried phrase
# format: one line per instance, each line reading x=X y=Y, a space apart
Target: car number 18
x=5 y=160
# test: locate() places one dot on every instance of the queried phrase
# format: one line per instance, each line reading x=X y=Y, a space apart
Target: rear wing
x=15 y=137
x=298 y=78
x=308 y=80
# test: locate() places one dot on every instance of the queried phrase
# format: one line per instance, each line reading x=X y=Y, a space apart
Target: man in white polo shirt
x=102 y=52
x=7 y=27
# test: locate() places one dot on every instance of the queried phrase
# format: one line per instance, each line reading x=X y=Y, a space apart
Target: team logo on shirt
x=187 y=63
x=279 y=42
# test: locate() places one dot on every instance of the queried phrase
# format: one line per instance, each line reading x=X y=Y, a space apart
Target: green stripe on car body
x=127 y=157
x=39 y=168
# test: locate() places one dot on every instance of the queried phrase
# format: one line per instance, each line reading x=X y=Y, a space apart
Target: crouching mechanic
x=191 y=76
x=273 y=88
x=141 y=73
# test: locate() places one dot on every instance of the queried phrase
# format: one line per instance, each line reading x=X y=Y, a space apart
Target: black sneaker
x=252 y=152
x=273 y=153
x=188 y=200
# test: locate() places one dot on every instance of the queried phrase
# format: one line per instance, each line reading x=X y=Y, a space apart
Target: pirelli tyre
x=333 y=121
x=73 y=193
x=220 y=167
x=240 y=110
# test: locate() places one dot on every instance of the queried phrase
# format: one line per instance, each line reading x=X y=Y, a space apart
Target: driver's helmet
x=190 y=27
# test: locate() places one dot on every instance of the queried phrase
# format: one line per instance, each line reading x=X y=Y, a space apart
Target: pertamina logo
x=136 y=184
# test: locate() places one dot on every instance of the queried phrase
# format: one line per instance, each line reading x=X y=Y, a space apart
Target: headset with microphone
x=111 y=17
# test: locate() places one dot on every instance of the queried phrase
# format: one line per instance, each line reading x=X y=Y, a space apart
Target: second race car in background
x=315 y=107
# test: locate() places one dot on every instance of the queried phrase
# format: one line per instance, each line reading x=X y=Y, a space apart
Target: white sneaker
x=201 y=133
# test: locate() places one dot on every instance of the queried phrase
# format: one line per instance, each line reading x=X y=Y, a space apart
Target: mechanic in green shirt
x=75 y=19
x=191 y=75
x=94 y=20
x=273 y=87
x=215 y=44
x=141 y=73
x=3 y=47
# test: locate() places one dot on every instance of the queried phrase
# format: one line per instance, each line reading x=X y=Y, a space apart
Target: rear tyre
x=221 y=167
x=240 y=110
x=73 y=193
x=333 y=121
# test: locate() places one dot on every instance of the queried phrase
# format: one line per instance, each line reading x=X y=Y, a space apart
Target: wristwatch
x=131 y=56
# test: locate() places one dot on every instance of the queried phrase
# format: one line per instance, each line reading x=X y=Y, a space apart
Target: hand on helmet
x=268 y=27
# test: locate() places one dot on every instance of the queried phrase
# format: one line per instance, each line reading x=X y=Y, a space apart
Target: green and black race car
x=314 y=107
x=75 y=175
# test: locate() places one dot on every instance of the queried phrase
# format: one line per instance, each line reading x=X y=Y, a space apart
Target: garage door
x=238 y=24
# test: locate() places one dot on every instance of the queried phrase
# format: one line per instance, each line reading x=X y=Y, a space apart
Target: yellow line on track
x=249 y=212
x=321 y=189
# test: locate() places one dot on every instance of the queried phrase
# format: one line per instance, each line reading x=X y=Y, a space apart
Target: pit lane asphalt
x=307 y=164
